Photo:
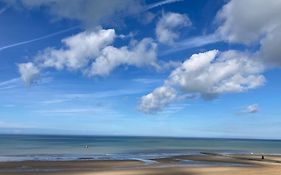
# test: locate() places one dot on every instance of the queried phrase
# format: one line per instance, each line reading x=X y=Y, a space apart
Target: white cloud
x=28 y=72
x=253 y=108
x=78 y=51
x=169 y=65
x=89 y=12
x=157 y=99
x=167 y=26
x=261 y=25
x=214 y=73
x=211 y=73
x=243 y=25
x=139 y=54
x=270 y=51
x=208 y=74
x=93 y=54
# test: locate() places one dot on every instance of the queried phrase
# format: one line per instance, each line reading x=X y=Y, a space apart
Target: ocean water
x=44 y=147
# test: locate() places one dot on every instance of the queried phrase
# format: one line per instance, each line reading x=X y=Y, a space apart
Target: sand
x=205 y=164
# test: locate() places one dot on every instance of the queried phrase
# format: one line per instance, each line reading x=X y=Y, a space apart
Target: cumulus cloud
x=93 y=54
x=253 y=108
x=157 y=99
x=167 y=26
x=139 y=54
x=78 y=50
x=89 y=12
x=270 y=52
x=261 y=25
x=243 y=25
x=209 y=74
x=214 y=73
x=28 y=72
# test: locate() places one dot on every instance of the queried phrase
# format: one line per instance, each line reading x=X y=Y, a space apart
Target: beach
x=140 y=87
x=204 y=163
x=96 y=155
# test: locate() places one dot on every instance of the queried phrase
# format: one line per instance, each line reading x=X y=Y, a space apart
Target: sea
x=63 y=148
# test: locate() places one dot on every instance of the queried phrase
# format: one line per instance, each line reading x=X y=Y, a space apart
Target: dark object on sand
x=262 y=157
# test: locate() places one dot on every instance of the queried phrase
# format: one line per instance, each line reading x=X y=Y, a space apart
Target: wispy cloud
x=97 y=95
x=193 y=42
x=4 y=124
x=147 y=80
x=105 y=94
x=173 y=109
x=80 y=111
x=253 y=108
x=37 y=39
x=249 y=109
x=68 y=111
x=54 y=101
x=17 y=83
x=9 y=84
x=8 y=105
x=160 y=3
x=2 y=10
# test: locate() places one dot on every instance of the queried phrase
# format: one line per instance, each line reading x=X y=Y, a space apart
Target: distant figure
x=86 y=146
x=262 y=157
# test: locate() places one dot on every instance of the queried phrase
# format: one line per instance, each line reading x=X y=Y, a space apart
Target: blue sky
x=183 y=68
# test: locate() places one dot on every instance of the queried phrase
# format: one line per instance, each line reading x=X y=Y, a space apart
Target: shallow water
x=39 y=147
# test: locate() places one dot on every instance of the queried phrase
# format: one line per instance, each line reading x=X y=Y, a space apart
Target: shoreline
x=142 y=156
x=184 y=163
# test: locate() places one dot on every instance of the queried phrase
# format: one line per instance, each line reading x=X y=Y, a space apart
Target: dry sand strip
x=268 y=170
x=197 y=171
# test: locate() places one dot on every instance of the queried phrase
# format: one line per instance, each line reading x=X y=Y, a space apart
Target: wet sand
x=206 y=163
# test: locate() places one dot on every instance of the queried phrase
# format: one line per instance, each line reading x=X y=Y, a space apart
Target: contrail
x=151 y=6
x=2 y=10
x=158 y=4
x=37 y=39
x=9 y=82
x=193 y=42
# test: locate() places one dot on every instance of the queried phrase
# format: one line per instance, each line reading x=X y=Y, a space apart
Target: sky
x=181 y=68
